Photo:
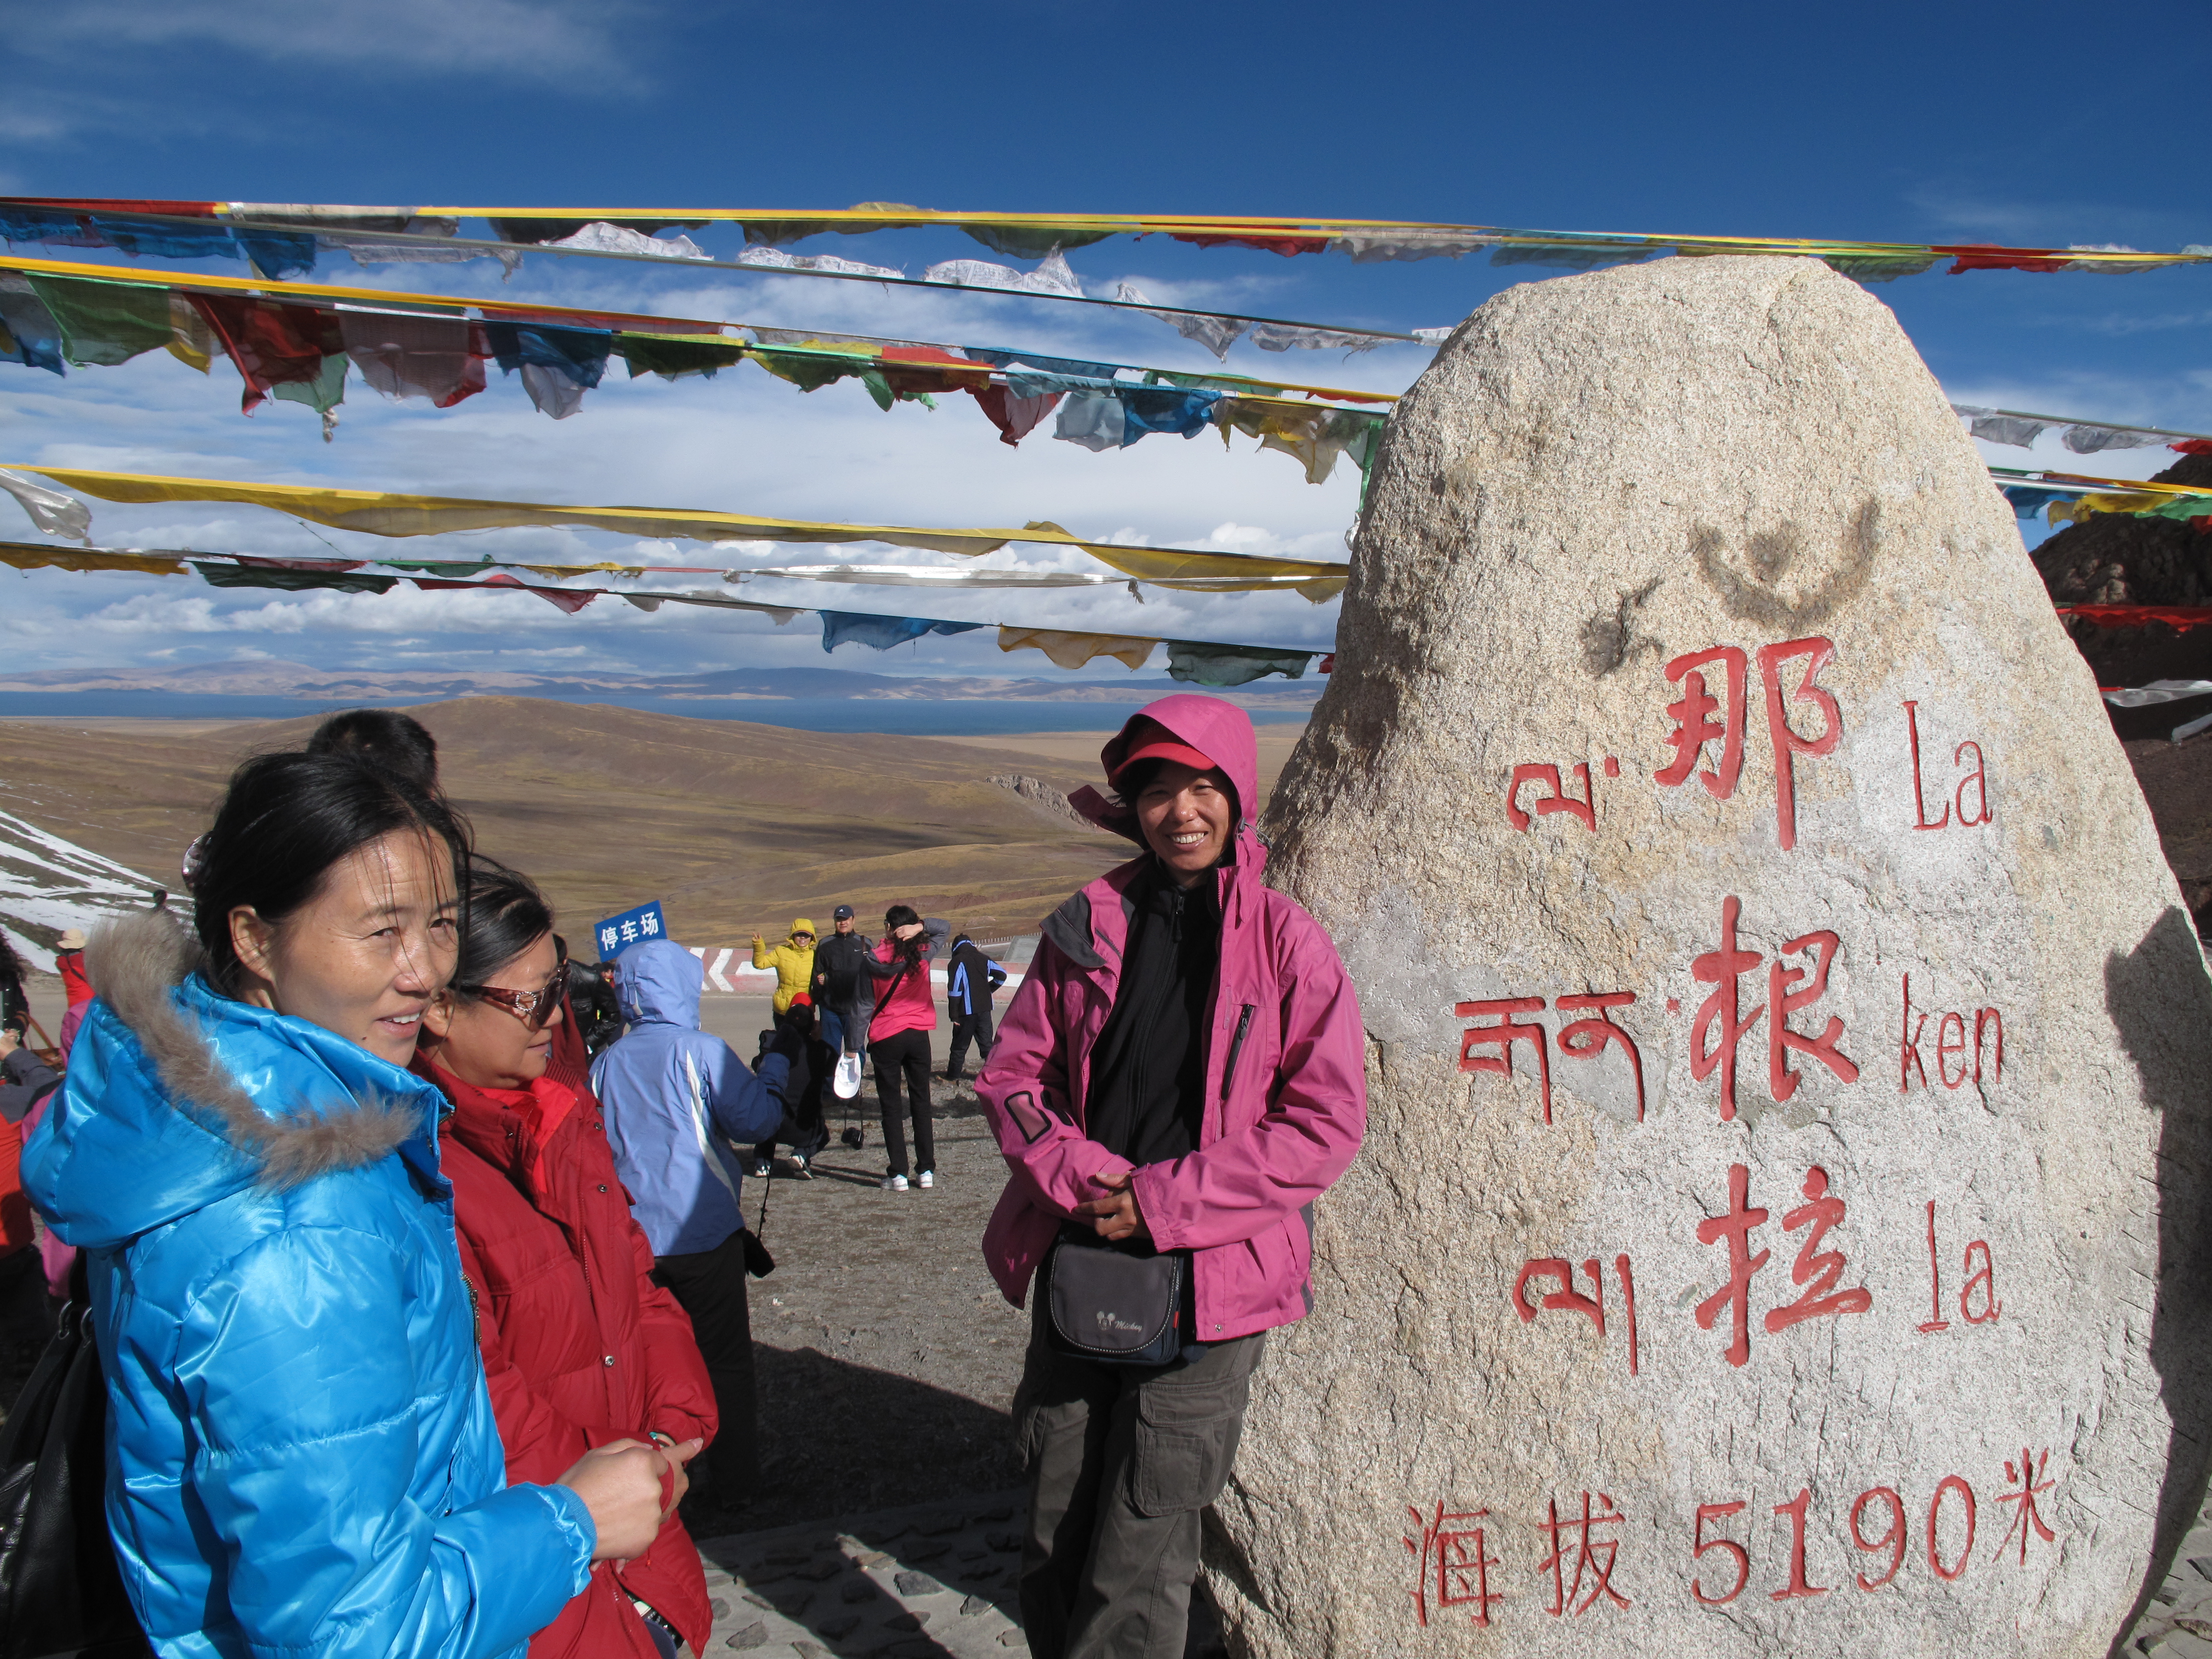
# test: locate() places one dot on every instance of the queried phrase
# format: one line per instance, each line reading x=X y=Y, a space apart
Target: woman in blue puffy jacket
x=302 y=1456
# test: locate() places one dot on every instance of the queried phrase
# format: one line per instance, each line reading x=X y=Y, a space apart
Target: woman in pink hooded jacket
x=1179 y=1077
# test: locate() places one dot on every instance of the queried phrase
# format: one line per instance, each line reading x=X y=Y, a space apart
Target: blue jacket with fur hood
x=301 y=1454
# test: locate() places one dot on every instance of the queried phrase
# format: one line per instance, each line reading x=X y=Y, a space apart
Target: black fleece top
x=1148 y=1075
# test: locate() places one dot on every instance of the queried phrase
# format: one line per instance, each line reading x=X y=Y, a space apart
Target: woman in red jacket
x=581 y=1348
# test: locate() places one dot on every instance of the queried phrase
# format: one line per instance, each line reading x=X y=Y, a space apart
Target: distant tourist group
x=411 y=1249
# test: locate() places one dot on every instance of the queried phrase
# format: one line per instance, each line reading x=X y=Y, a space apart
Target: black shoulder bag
x=60 y=1592
x=1111 y=1303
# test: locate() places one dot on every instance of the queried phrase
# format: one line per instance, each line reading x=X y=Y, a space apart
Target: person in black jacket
x=591 y=1004
x=844 y=994
x=971 y=979
x=15 y=1006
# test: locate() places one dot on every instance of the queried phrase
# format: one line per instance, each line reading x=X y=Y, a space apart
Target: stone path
x=932 y=1582
x=2178 y=1624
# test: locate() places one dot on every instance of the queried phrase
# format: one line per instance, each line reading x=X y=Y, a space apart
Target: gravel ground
x=886 y=1356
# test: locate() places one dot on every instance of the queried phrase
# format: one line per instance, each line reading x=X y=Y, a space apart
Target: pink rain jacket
x=1286 y=1078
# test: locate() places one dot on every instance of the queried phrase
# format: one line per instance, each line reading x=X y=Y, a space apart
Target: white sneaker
x=894 y=1183
x=926 y=1179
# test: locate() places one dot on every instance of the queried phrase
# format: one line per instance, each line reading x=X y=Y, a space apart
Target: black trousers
x=905 y=1056
x=809 y=1077
x=976 y=1025
x=1121 y=1461
x=710 y=1286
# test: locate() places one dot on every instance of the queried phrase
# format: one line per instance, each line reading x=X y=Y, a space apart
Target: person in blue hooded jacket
x=676 y=1097
x=302 y=1458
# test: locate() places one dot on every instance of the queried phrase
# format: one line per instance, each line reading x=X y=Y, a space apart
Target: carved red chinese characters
x=1451 y=1566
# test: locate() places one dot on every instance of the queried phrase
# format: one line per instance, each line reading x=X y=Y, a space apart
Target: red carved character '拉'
x=1587 y=1556
x=1735 y=1228
x=1788 y=745
x=1451 y=1568
x=1816 y=1268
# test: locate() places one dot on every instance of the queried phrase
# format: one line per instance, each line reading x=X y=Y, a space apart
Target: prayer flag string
x=1200 y=662
x=378 y=513
x=1036 y=236
x=53 y=312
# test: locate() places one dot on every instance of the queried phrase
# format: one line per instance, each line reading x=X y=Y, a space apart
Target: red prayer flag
x=1285 y=244
x=272 y=344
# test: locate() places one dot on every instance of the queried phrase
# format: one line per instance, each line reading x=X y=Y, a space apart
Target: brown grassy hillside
x=732 y=826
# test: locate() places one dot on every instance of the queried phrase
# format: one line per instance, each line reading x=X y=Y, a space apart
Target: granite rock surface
x=1780 y=1227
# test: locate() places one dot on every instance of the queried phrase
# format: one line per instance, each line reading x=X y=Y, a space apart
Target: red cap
x=1156 y=742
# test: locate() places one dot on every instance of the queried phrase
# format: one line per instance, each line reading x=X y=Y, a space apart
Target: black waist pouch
x=1115 y=1305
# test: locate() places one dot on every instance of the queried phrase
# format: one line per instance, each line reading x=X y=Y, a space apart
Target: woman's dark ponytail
x=908 y=950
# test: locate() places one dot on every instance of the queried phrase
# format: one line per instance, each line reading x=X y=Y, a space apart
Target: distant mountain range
x=268 y=678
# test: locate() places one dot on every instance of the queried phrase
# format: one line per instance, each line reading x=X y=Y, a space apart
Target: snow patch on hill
x=47 y=884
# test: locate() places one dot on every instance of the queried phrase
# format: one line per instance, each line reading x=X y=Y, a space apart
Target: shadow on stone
x=2156 y=991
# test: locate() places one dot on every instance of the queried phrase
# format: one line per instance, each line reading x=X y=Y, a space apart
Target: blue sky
x=1887 y=121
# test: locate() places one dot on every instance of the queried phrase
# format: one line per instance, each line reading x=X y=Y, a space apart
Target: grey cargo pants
x=1120 y=1459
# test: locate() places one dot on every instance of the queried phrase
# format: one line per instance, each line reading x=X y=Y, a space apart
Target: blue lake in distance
x=903 y=717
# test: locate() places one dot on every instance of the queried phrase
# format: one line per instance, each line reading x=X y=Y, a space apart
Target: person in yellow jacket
x=792 y=960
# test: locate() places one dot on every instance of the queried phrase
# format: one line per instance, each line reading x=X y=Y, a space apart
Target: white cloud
x=743 y=442
x=542 y=40
x=1973 y=212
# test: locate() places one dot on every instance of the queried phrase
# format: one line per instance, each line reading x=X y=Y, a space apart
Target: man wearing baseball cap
x=844 y=995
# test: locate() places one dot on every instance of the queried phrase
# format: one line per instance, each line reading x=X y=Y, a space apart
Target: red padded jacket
x=580 y=1346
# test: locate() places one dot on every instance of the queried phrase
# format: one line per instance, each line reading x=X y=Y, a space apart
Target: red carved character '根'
x=1784 y=1002
x=1722 y=969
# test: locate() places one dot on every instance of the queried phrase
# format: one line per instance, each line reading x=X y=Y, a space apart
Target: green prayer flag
x=810 y=371
x=293 y=581
x=104 y=323
x=669 y=355
x=1198 y=662
x=322 y=394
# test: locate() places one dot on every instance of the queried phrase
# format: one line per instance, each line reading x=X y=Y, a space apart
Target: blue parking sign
x=617 y=934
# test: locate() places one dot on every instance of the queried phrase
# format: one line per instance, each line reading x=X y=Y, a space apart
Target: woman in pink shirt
x=898 y=1039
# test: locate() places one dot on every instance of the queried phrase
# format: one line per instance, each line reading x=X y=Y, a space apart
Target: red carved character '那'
x=1694 y=727
x=1788 y=745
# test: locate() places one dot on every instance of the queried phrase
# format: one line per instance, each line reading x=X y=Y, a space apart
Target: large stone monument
x=1778 y=1226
